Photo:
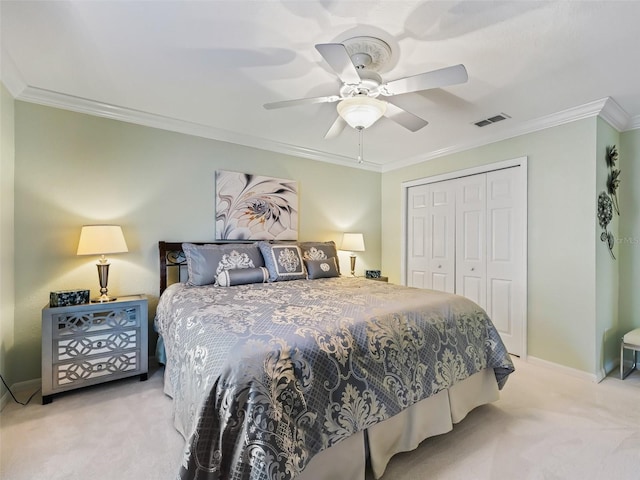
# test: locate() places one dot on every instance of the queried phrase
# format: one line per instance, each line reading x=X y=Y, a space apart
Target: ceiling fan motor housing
x=369 y=85
x=361 y=60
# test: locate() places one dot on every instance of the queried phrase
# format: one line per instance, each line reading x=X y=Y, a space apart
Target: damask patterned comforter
x=264 y=376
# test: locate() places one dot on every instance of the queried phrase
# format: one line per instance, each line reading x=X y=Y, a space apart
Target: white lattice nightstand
x=88 y=344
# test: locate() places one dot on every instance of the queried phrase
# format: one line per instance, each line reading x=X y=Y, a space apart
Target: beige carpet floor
x=546 y=425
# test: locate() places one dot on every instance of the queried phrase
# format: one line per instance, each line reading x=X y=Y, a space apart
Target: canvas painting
x=254 y=207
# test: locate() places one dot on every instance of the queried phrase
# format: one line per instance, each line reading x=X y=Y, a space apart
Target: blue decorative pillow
x=284 y=261
x=321 y=268
x=205 y=262
x=242 y=276
x=319 y=251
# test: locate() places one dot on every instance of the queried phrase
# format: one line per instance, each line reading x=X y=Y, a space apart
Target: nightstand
x=93 y=343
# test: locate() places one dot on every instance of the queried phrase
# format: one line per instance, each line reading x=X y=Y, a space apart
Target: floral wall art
x=254 y=207
x=608 y=201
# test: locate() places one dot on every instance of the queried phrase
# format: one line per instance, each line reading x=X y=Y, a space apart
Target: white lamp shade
x=361 y=111
x=352 y=242
x=101 y=240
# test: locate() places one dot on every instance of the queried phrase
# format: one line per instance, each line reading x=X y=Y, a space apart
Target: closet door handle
x=473 y=269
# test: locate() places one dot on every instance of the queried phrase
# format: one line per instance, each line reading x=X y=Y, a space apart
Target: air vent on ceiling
x=490 y=120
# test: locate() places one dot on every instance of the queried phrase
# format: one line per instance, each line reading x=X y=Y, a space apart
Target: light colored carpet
x=545 y=426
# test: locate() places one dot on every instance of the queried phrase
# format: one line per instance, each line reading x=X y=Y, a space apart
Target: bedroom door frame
x=522 y=180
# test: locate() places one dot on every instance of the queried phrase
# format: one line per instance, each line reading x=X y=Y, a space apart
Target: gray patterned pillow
x=319 y=251
x=242 y=276
x=284 y=261
x=205 y=262
x=321 y=268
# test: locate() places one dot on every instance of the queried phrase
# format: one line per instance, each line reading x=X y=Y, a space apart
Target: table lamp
x=102 y=240
x=353 y=242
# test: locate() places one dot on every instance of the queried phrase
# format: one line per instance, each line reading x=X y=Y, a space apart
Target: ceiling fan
x=356 y=61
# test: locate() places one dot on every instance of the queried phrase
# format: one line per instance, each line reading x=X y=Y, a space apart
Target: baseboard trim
x=573 y=372
x=608 y=369
x=16 y=388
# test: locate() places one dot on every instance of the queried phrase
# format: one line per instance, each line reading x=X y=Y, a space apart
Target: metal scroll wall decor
x=608 y=201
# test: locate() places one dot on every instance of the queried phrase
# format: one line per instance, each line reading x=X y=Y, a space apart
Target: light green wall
x=74 y=169
x=607 y=339
x=561 y=225
x=629 y=233
x=6 y=235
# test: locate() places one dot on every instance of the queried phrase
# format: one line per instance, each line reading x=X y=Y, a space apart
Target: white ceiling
x=207 y=67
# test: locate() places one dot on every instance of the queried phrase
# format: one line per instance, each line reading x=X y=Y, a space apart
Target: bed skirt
x=403 y=432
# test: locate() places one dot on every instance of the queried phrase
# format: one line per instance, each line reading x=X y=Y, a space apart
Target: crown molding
x=614 y=115
x=634 y=123
x=606 y=108
x=114 y=112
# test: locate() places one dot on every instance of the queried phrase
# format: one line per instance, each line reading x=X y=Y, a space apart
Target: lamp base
x=103 y=299
x=103 y=277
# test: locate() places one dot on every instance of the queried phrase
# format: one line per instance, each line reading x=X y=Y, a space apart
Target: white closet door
x=505 y=219
x=431 y=230
x=417 y=213
x=471 y=233
x=441 y=235
x=466 y=237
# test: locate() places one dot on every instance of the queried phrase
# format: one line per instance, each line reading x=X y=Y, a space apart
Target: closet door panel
x=471 y=238
x=504 y=256
x=418 y=253
x=418 y=205
x=441 y=236
x=501 y=302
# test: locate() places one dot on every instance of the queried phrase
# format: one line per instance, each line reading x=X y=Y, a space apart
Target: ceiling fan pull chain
x=360 y=154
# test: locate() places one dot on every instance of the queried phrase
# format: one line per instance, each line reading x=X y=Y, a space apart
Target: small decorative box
x=65 y=298
x=372 y=273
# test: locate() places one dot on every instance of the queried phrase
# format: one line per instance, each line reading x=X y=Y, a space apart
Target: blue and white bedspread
x=264 y=376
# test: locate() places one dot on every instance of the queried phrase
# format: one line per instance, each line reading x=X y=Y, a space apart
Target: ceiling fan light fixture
x=361 y=111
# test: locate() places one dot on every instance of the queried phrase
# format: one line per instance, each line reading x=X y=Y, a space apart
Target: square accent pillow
x=322 y=268
x=284 y=261
x=205 y=262
x=319 y=251
x=242 y=276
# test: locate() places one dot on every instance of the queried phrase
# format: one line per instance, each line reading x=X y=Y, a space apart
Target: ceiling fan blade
x=425 y=81
x=406 y=119
x=301 y=101
x=338 y=58
x=336 y=128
